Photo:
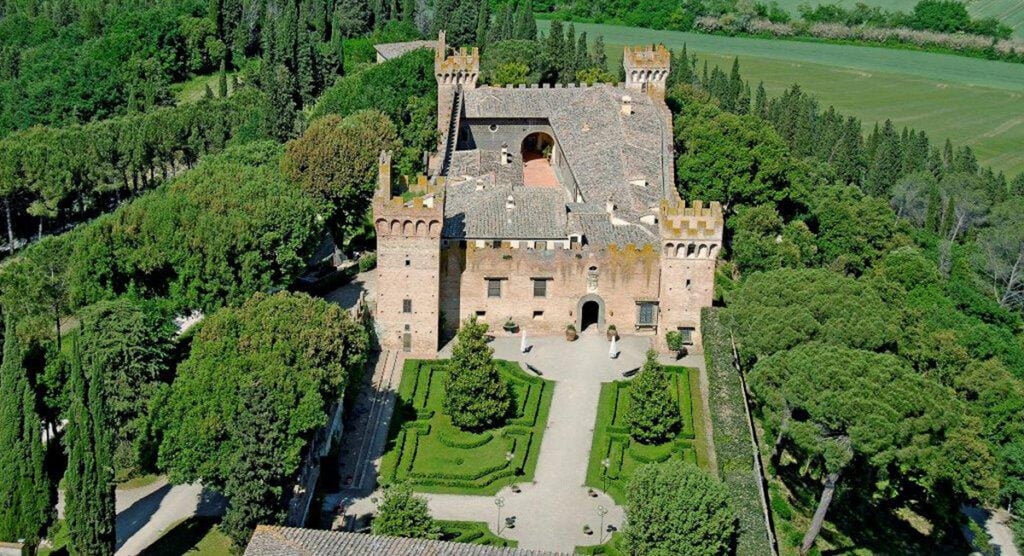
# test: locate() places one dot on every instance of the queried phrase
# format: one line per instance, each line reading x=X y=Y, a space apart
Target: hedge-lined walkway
x=551 y=511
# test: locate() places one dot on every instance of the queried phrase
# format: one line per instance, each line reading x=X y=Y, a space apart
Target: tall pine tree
x=89 y=480
x=25 y=499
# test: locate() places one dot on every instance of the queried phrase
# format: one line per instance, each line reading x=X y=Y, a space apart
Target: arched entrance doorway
x=538 y=150
x=590 y=312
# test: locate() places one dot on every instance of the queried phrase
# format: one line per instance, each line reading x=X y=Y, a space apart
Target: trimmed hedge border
x=732 y=436
x=415 y=421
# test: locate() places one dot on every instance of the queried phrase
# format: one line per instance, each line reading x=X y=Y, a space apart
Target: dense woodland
x=872 y=279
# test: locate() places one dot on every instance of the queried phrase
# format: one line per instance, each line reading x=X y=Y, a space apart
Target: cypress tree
x=483 y=24
x=760 y=101
x=582 y=55
x=525 y=23
x=208 y=94
x=554 y=50
x=568 y=55
x=947 y=155
x=600 y=57
x=222 y=81
x=89 y=479
x=887 y=163
x=25 y=494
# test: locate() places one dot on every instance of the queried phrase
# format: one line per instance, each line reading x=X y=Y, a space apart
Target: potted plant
x=510 y=326
x=674 y=339
x=570 y=333
x=612 y=332
x=587 y=530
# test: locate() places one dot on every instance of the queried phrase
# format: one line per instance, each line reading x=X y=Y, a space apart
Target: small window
x=406 y=305
x=408 y=262
x=493 y=127
x=687 y=283
x=647 y=314
x=493 y=287
x=408 y=327
x=540 y=287
x=540 y=245
x=481 y=314
x=687 y=333
x=538 y=315
x=496 y=244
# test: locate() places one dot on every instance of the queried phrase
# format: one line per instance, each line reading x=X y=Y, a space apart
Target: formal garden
x=615 y=454
x=428 y=452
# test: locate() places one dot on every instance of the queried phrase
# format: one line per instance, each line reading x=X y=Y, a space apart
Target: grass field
x=1009 y=12
x=473 y=532
x=971 y=101
x=194 y=89
x=612 y=441
x=432 y=455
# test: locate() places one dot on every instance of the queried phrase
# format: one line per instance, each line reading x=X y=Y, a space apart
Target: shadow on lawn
x=182 y=538
x=856 y=523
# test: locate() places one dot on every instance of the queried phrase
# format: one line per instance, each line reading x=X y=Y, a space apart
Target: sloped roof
x=288 y=541
x=606 y=149
x=478 y=210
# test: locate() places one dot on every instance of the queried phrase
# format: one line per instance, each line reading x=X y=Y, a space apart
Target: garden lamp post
x=601 y=511
x=606 y=463
x=499 y=502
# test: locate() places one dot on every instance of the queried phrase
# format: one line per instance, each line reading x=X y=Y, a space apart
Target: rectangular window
x=540 y=245
x=496 y=244
x=647 y=314
x=540 y=287
x=687 y=333
x=481 y=314
x=493 y=287
x=538 y=315
x=406 y=305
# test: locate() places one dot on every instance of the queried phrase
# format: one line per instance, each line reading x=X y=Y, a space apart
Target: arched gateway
x=590 y=312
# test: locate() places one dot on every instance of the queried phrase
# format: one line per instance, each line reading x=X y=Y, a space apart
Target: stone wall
x=616 y=279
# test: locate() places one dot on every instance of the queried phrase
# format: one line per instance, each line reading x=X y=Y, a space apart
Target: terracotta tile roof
x=287 y=541
x=391 y=50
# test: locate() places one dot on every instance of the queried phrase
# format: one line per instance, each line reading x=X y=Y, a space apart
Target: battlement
x=694 y=222
x=461 y=68
x=647 y=57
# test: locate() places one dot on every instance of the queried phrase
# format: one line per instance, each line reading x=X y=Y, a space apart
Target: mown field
x=1010 y=12
x=971 y=101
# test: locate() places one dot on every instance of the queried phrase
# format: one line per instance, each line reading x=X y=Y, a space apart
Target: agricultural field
x=623 y=454
x=426 y=450
x=971 y=101
x=1009 y=12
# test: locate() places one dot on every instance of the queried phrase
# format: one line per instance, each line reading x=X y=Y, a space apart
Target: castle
x=546 y=206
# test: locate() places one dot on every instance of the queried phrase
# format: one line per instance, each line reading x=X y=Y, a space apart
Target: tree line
x=90 y=342
x=871 y=287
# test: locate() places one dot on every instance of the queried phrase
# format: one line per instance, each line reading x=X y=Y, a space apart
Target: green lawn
x=473 y=532
x=432 y=455
x=611 y=547
x=969 y=100
x=196 y=536
x=194 y=89
x=612 y=441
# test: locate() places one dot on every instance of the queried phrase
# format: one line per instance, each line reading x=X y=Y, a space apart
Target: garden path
x=551 y=512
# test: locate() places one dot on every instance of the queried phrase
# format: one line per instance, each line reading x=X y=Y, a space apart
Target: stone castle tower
x=460 y=70
x=408 y=267
x=691 y=238
x=647 y=69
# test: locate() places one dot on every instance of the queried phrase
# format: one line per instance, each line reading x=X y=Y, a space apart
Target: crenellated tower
x=647 y=69
x=408 y=267
x=691 y=238
x=461 y=69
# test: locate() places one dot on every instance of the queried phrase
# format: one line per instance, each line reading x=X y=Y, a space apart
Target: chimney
x=627 y=105
x=504 y=155
x=510 y=203
x=609 y=207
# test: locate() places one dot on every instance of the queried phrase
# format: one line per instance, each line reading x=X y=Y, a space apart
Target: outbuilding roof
x=287 y=541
